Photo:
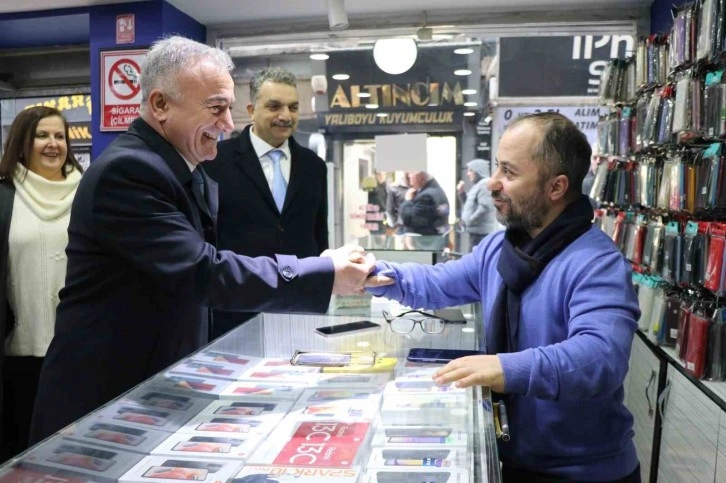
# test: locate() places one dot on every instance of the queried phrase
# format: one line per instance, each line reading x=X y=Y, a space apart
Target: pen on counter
x=503 y=421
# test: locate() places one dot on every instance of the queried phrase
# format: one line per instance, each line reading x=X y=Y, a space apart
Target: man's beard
x=526 y=215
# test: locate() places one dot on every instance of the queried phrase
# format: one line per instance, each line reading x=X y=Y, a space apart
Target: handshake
x=353 y=268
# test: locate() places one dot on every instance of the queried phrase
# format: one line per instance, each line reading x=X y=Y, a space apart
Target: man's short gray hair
x=273 y=74
x=169 y=57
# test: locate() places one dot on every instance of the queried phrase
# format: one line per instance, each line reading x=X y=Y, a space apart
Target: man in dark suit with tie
x=272 y=191
x=142 y=268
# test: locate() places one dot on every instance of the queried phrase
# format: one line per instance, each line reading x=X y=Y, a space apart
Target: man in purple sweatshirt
x=559 y=308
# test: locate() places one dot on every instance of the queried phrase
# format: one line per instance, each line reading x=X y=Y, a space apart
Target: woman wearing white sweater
x=38 y=180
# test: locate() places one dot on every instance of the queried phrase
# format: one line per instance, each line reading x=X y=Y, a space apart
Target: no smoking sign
x=121 y=90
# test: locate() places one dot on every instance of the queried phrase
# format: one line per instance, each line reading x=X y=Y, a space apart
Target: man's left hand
x=473 y=370
x=410 y=194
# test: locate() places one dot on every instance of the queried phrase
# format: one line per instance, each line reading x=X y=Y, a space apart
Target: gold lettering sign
x=371 y=119
x=65 y=103
x=390 y=95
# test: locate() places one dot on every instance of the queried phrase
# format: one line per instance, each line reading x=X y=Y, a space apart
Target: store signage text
x=393 y=95
x=79 y=132
x=372 y=119
x=65 y=103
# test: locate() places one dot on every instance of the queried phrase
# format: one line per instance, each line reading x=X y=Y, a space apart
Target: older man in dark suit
x=142 y=267
x=272 y=191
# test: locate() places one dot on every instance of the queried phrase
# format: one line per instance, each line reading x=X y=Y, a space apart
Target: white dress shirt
x=262 y=148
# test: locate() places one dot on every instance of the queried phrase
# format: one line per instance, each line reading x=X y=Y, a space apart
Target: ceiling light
x=462 y=72
x=467 y=329
x=469 y=113
x=364 y=94
x=464 y=51
x=371 y=106
x=319 y=56
x=337 y=16
x=466 y=92
x=471 y=104
x=341 y=76
x=395 y=56
x=382 y=114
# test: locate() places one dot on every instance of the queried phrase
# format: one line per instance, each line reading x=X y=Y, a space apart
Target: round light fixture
x=341 y=76
x=464 y=51
x=466 y=92
x=364 y=94
x=395 y=56
x=319 y=56
x=468 y=114
x=467 y=329
x=471 y=104
x=462 y=72
x=371 y=106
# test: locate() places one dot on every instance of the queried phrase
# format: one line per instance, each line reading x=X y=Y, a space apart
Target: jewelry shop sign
x=121 y=88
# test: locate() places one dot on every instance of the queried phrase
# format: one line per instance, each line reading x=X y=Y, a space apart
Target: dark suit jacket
x=249 y=222
x=7 y=318
x=140 y=278
x=428 y=212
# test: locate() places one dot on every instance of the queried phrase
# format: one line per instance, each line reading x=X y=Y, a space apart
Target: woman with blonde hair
x=38 y=180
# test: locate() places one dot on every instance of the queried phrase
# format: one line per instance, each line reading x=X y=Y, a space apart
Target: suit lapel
x=246 y=159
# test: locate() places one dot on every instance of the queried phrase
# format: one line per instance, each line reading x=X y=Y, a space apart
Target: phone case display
x=327 y=443
x=271 y=474
x=232 y=446
x=382 y=364
x=115 y=435
x=420 y=436
x=418 y=475
x=100 y=464
x=320 y=406
x=280 y=370
x=19 y=473
x=208 y=387
x=341 y=381
x=404 y=457
x=327 y=396
x=155 y=469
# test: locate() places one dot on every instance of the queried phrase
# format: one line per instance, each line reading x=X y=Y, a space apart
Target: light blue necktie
x=279 y=185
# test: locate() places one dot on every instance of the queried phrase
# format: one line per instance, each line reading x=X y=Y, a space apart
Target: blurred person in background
x=478 y=216
x=425 y=209
x=394 y=198
x=38 y=180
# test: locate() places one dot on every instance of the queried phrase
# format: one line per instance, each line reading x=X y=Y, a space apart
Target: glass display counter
x=238 y=410
x=408 y=247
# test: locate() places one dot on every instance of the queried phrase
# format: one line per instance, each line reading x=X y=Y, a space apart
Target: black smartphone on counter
x=439 y=356
x=344 y=329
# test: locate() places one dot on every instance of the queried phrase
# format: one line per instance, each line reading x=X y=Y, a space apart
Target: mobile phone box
x=116 y=435
x=204 y=387
x=417 y=385
x=143 y=417
x=341 y=409
x=249 y=407
x=239 y=360
x=280 y=365
x=217 y=425
x=450 y=435
x=81 y=459
x=326 y=443
x=406 y=409
x=401 y=457
x=205 y=369
x=320 y=396
x=232 y=446
x=407 y=368
x=299 y=474
x=214 y=471
x=161 y=397
x=373 y=382
x=263 y=390
x=438 y=475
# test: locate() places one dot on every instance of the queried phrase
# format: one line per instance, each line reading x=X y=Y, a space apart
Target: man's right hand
x=352 y=268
